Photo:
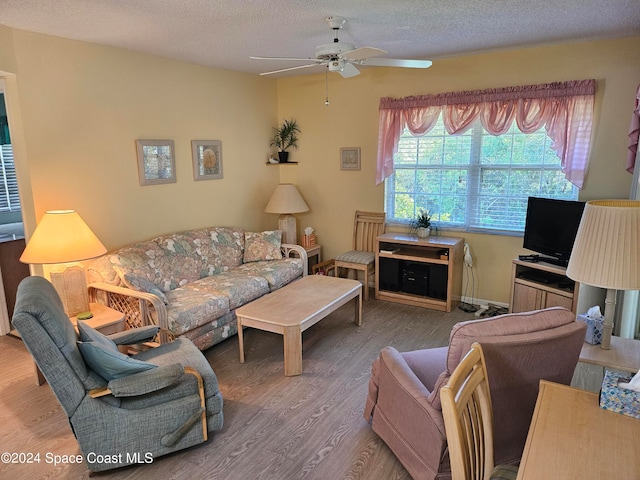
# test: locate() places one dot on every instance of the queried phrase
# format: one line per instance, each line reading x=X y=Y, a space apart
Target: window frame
x=474 y=171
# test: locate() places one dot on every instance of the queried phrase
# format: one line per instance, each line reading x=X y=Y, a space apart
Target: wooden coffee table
x=295 y=307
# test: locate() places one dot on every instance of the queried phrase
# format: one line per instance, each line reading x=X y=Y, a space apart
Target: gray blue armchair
x=170 y=404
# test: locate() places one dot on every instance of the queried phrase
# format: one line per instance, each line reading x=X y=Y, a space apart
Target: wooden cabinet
x=541 y=285
x=425 y=272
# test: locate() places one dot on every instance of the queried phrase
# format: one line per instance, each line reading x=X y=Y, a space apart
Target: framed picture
x=207 y=159
x=156 y=162
x=350 y=158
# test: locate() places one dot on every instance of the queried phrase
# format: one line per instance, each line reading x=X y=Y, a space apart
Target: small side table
x=105 y=319
x=313 y=251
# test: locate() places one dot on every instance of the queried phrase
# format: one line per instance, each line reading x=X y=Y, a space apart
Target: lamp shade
x=286 y=199
x=62 y=236
x=606 y=250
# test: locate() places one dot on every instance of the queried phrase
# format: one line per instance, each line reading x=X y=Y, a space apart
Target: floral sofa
x=190 y=283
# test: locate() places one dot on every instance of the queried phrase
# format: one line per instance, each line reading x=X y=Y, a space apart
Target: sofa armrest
x=288 y=249
x=140 y=308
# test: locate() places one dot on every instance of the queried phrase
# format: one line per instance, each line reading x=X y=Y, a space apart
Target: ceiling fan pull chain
x=326 y=86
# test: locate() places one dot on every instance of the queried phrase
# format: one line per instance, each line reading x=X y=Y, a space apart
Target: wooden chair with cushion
x=367 y=226
x=468 y=421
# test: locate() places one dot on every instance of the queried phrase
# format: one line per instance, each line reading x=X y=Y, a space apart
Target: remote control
x=529 y=258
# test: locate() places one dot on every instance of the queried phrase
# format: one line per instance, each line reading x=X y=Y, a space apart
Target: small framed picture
x=350 y=158
x=156 y=162
x=207 y=159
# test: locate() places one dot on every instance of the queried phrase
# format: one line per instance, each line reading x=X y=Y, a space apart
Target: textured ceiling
x=224 y=33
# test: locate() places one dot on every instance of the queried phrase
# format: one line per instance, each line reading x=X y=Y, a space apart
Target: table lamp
x=606 y=252
x=286 y=199
x=61 y=238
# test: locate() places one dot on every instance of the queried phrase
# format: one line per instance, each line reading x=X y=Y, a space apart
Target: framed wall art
x=156 y=162
x=207 y=159
x=350 y=158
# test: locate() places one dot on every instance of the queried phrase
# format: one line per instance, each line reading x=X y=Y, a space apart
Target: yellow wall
x=82 y=108
x=76 y=110
x=351 y=120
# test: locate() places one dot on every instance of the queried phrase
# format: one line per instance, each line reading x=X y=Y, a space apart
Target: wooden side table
x=313 y=251
x=106 y=320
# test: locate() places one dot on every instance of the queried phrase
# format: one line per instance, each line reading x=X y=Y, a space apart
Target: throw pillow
x=90 y=334
x=110 y=363
x=141 y=284
x=102 y=356
x=262 y=246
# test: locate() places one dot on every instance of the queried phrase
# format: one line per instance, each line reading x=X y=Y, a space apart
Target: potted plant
x=421 y=224
x=286 y=137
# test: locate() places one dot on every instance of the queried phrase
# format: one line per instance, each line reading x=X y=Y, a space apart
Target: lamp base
x=287 y=223
x=609 y=313
x=71 y=284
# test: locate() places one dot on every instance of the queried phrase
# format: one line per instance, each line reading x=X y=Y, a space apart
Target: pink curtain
x=634 y=134
x=565 y=109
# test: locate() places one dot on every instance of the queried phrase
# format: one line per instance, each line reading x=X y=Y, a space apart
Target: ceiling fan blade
x=348 y=71
x=290 y=68
x=289 y=58
x=396 y=62
x=363 y=53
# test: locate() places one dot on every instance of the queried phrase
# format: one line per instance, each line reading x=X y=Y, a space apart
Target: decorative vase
x=283 y=157
x=423 y=232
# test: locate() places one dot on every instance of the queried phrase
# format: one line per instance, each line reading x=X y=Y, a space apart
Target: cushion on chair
x=504 y=472
x=101 y=354
x=110 y=364
x=90 y=334
x=357 y=256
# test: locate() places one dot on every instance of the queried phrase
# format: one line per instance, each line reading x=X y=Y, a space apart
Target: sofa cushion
x=262 y=246
x=228 y=244
x=138 y=259
x=189 y=308
x=182 y=258
x=239 y=287
x=277 y=272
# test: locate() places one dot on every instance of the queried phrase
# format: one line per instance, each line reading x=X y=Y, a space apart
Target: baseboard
x=482 y=303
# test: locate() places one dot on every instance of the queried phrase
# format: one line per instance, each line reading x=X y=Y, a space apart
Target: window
x=9 y=198
x=474 y=180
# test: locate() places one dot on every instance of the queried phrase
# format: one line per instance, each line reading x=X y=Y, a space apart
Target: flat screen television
x=550 y=228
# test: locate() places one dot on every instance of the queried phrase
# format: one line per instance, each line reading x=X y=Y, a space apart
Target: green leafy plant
x=286 y=136
x=422 y=220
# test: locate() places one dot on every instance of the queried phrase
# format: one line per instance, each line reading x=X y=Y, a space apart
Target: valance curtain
x=564 y=109
x=634 y=134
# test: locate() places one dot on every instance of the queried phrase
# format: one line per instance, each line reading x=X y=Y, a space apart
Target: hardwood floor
x=276 y=427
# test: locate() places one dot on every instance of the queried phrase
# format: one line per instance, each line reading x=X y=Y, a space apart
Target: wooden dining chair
x=468 y=421
x=367 y=226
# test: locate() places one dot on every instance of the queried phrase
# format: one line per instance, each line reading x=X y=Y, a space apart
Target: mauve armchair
x=403 y=404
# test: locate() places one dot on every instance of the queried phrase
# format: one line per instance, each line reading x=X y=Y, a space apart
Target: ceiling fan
x=343 y=57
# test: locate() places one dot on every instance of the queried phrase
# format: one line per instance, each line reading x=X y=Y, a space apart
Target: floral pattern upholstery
x=200 y=276
x=276 y=272
x=262 y=246
x=189 y=308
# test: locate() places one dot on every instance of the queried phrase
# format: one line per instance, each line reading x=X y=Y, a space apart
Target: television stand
x=539 y=285
x=554 y=261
